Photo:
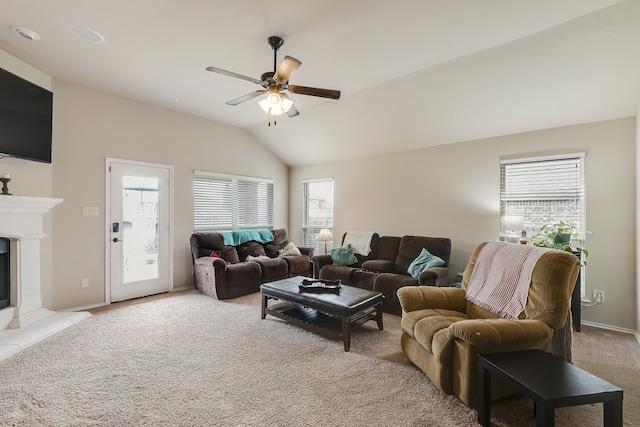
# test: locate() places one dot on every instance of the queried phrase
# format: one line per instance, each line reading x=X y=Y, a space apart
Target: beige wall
x=91 y=126
x=453 y=191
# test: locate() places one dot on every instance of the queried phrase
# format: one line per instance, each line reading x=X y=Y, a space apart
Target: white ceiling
x=413 y=73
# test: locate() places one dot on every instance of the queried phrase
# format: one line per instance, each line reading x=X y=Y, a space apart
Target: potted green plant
x=558 y=235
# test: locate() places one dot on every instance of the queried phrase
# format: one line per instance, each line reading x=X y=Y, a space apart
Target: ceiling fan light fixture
x=275 y=104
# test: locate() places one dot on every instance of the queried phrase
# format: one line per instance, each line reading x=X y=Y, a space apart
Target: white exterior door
x=138 y=229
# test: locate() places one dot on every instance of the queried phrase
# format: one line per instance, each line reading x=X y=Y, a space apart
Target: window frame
x=311 y=231
x=576 y=193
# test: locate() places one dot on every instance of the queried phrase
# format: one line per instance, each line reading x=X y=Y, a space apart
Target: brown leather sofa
x=229 y=275
x=385 y=268
x=442 y=332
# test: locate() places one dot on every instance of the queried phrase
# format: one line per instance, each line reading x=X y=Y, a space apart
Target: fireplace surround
x=25 y=321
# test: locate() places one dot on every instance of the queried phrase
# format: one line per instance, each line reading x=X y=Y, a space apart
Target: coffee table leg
x=545 y=417
x=264 y=306
x=484 y=397
x=346 y=333
x=613 y=414
x=379 y=317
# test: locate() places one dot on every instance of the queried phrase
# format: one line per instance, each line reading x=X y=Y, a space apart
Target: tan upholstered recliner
x=442 y=332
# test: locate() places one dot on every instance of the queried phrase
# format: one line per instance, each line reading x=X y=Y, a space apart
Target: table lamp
x=325 y=235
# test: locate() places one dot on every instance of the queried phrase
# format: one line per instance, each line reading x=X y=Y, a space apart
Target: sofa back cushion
x=252 y=248
x=549 y=298
x=204 y=244
x=388 y=248
x=411 y=246
x=280 y=240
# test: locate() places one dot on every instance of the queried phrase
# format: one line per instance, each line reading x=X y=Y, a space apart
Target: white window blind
x=543 y=190
x=228 y=202
x=317 y=212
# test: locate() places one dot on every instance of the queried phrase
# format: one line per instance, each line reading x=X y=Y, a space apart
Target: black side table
x=551 y=383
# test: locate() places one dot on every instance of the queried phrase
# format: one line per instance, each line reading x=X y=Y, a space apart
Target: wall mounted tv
x=25 y=118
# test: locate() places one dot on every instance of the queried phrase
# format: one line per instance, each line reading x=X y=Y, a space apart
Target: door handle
x=116 y=240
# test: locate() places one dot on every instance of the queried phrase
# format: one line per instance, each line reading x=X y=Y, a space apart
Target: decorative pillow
x=343 y=255
x=289 y=250
x=424 y=261
x=230 y=254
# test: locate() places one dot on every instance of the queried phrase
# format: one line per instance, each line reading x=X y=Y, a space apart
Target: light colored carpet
x=186 y=359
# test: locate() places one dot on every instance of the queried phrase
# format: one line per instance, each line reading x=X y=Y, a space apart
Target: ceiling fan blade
x=232 y=74
x=314 y=91
x=246 y=97
x=293 y=111
x=287 y=68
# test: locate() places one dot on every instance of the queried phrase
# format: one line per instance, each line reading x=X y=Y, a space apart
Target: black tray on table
x=320 y=286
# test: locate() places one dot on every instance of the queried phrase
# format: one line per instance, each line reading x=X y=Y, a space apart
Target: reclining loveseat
x=229 y=265
x=385 y=267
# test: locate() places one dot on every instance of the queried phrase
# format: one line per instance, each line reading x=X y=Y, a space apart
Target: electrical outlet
x=85 y=282
x=598 y=296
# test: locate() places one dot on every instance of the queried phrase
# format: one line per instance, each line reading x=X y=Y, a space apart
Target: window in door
x=317 y=213
x=229 y=202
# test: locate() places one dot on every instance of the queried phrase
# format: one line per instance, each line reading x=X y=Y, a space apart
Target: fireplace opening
x=5 y=278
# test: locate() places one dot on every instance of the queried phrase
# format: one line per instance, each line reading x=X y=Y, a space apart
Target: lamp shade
x=512 y=222
x=325 y=235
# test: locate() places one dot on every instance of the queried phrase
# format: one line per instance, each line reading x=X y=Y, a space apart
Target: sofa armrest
x=499 y=333
x=434 y=276
x=211 y=261
x=414 y=298
x=306 y=250
x=380 y=265
x=320 y=261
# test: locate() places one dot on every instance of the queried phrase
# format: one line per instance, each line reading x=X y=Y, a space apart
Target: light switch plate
x=89 y=211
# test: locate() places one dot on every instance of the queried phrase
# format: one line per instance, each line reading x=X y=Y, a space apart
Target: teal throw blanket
x=235 y=238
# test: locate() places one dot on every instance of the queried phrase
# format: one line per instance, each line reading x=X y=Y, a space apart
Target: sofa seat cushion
x=272 y=268
x=426 y=329
x=411 y=319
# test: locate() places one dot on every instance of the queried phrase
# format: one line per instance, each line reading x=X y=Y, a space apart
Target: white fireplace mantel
x=26 y=321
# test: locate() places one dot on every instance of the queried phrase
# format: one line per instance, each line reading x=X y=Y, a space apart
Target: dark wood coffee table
x=548 y=380
x=329 y=314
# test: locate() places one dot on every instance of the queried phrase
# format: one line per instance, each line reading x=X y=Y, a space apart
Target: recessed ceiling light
x=26 y=33
x=87 y=34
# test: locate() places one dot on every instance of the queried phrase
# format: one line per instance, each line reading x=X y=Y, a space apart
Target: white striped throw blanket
x=501 y=278
x=360 y=241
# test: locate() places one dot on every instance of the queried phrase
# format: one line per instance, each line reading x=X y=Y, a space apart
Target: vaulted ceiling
x=413 y=73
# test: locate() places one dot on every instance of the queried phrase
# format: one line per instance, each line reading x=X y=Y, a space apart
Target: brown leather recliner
x=442 y=332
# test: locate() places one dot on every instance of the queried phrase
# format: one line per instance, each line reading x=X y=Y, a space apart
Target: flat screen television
x=25 y=118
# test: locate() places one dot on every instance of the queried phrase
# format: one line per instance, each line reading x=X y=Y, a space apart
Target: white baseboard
x=613 y=328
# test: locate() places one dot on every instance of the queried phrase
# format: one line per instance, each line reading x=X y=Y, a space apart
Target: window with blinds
x=317 y=212
x=228 y=202
x=543 y=191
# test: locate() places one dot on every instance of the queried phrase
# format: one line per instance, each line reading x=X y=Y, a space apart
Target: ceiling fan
x=275 y=83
